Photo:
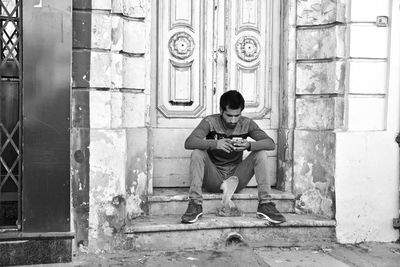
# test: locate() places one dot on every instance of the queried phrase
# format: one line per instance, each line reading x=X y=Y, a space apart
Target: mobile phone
x=237 y=141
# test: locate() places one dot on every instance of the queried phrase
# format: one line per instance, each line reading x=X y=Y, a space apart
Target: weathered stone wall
x=340 y=81
x=320 y=69
x=110 y=104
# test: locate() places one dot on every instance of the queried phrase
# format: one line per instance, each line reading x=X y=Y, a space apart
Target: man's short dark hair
x=232 y=99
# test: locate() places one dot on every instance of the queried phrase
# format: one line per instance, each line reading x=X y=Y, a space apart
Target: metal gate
x=10 y=114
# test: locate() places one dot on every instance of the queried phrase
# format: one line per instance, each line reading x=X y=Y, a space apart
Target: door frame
x=285 y=91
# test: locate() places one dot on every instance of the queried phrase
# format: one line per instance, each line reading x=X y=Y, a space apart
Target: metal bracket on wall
x=396 y=223
x=398 y=139
x=382 y=21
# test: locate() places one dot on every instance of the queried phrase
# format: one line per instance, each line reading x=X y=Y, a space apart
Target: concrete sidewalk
x=364 y=255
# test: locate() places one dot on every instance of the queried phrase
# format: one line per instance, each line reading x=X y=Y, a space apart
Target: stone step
x=211 y=232
x=175 y=200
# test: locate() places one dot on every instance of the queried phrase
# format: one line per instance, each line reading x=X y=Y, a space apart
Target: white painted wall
x=367 y=160
x=367 y=182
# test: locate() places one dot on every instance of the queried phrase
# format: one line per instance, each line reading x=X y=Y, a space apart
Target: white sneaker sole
x=265 y=217
x=228 y=187
x=195 y=219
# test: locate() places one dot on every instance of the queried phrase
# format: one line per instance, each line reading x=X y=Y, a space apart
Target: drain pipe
x=396 y=221
x=234 y=238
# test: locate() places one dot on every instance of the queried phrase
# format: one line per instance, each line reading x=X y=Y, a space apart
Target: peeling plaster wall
x=345 y=163
x=136 y=172
x=335 y=83
x=314 y=169
x=110 y=104
x=107 y=183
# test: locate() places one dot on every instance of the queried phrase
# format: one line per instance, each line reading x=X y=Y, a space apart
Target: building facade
x=329 y=97
x=319 y=76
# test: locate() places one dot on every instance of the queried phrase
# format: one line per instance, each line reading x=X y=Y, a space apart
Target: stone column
x=319 y=102
x=110 y=103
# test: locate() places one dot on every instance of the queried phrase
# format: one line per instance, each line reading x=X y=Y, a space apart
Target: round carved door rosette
x=247 y=48
x=181 y=45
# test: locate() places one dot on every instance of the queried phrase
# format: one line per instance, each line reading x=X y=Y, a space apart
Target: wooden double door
x=204 y=49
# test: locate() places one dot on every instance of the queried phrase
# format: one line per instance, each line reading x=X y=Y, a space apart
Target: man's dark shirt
x=212 y=128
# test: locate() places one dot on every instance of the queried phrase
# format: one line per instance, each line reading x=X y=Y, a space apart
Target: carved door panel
x=205 y=48
x=184 y=62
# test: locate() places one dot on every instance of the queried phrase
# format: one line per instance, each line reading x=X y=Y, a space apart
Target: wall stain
x=314 y=172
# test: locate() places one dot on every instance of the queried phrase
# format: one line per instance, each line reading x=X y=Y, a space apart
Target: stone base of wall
x=314 y=172
x=35 y=251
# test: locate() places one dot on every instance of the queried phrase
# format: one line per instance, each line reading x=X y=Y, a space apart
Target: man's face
x=231 y=116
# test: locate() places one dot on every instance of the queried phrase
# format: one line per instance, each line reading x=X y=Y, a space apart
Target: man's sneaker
x=268 y=211
x=193 y=213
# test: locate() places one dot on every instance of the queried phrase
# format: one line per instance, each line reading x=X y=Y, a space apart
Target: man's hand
x=243 y=145
x=225 y=145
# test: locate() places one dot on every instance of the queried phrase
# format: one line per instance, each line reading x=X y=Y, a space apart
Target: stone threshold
x=172 y=223
x=181 y=194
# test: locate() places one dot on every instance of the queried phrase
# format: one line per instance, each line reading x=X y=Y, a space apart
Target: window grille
x=10 y=114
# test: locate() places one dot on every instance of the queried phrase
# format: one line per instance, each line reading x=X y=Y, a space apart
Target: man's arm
x=196 y=139
x=262 y=140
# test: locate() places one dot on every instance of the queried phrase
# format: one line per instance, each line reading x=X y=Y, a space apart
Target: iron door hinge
x=398 y=139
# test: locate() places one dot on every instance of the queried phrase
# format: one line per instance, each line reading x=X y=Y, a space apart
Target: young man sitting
x=217 y=158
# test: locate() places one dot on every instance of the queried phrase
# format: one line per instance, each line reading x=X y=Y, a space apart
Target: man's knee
x=260 y=155
x=198 y=155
